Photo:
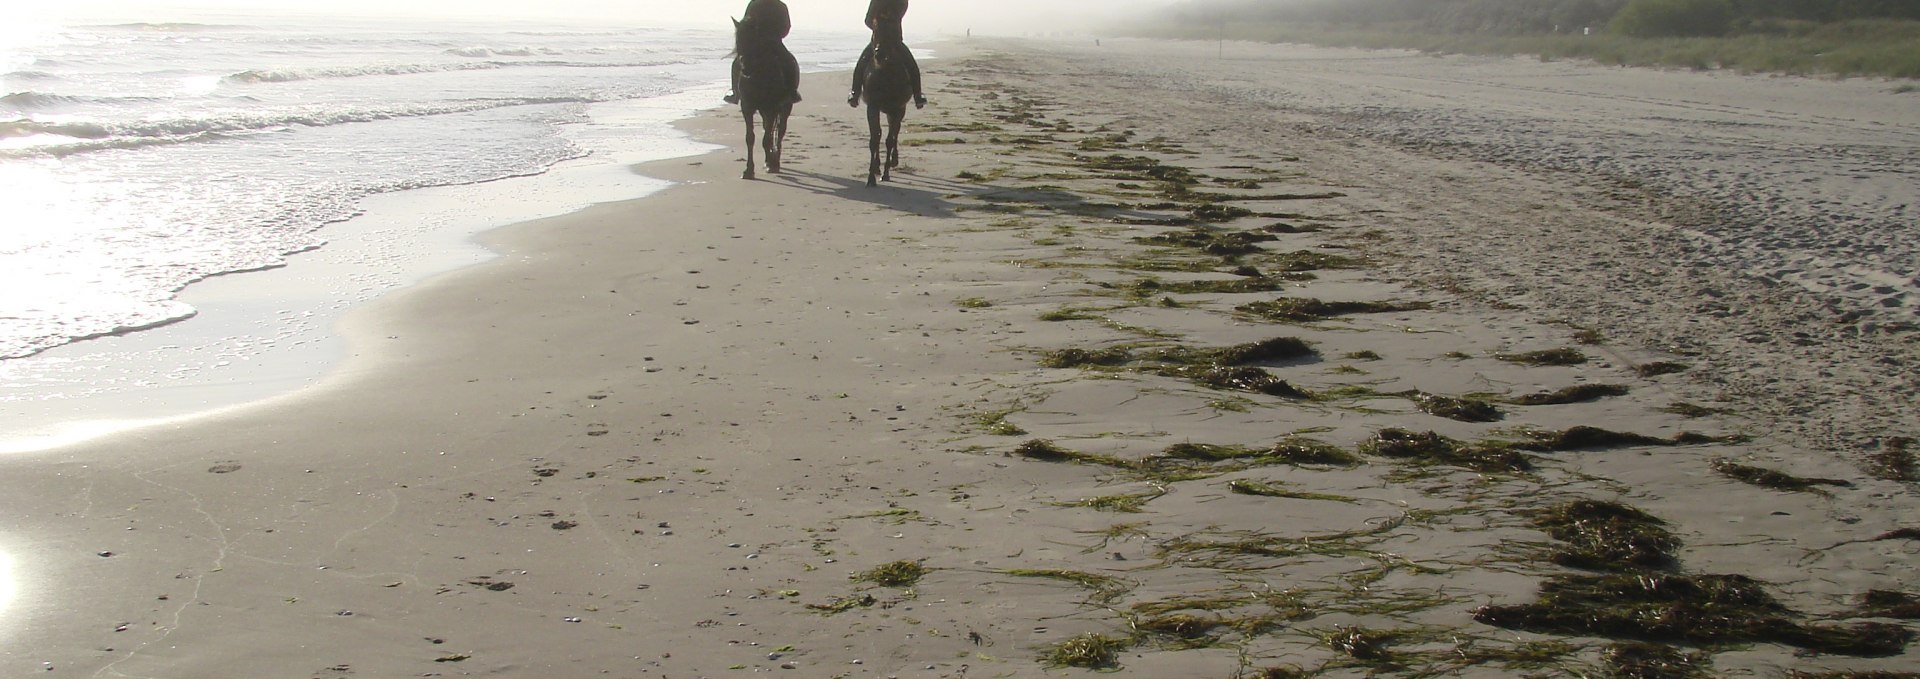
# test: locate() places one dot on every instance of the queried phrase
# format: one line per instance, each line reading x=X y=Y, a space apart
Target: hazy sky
x=925 y=16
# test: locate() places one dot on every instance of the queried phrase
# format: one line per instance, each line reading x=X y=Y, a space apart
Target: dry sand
x=666 y=438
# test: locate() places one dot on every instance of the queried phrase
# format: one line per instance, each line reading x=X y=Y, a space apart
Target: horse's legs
x=893 y=142
x=780 y=136
x=873 y=143
x=770 y=142
x=748 y=115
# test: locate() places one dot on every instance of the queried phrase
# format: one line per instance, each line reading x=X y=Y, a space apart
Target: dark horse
x=765 y=89
x=887 y=89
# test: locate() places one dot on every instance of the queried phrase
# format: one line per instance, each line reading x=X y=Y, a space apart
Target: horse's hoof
x=747 y=175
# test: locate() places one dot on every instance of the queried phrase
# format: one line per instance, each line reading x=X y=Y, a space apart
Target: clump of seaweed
x=1208 y=452
x=1690 y=410
x=1432 y=448
x=1129 y=503
x=1895 y=461
x=1308 y=260
x=896 y=574
x=1455 y=408
x=1638 y=660
x=1215 y=212
x=1608 y=536
x=1659 y=368
x=1692 y=609
x=1150 y=287
x=1069 y=314
x=1308 y=309
x=1561 y=356
x=1300 y=450
x=1104 y=588
x=1283 y=227
x=1769 y=478
x=842 y=604
x=1361 y=643
x=1238 y=378
x=1075 y=357
x=1265 y=489
x=1594 y=438
x=1273 y=349
x=1090 y=651
x=1047 y=451
x=1228 y=244
x=1579 y=393
x=1882 y=603
x=1188 y=628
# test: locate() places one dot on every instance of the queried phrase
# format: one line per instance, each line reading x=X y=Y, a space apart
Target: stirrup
x=854 y=100
x=731 y=98
x=919 y=101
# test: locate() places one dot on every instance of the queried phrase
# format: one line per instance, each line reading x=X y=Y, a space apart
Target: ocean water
x=153 y=174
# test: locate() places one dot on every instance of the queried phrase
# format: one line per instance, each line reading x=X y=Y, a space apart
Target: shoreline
x=258 y=335
x=972 y=420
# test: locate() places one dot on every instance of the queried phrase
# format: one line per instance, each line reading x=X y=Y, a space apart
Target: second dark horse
x=887 y=89
x=766 y=89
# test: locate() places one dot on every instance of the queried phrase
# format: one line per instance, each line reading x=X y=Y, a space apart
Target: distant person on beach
x=884 y=17
x=771 y=19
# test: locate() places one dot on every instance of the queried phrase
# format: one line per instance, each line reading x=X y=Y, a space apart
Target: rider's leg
x=793 y=72
x=860 y=74
x=733 y=87
x=913 y=67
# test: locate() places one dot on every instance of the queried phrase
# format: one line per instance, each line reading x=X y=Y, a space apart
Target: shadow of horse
x=922 y=201
x=766 y=90
x=887 y=89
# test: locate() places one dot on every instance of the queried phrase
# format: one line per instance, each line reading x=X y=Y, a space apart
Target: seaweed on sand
x=1432 y=448
x=1640 y=660
x=1607 y=536
x=1089 y=651
x=1561 y=356
x=1047 y=451
x=1225 y=244
x=1104 y=588
x=1308 y=260
x=1659 y=368
x=1127 y=502
x=1308 y=309
x=1237 y=378
x=1594 y=438
x=1895 y=461
x=1074 y=357
x=1455 y=408
x=1579 y=393
x=1882 y=603
x=1768 y=478
x=1272 y=349
x=1207 y=452
x=1189 y=628
x=1705 y=610
x=895 y=574
x=1149 y=287
x=1265 y=489
x=1302 y=450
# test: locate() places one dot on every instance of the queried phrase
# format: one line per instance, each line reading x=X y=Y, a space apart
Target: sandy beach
x=1151 y=359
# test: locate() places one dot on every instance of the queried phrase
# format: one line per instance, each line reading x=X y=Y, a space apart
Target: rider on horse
x=884 y=17
x=771 y=19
